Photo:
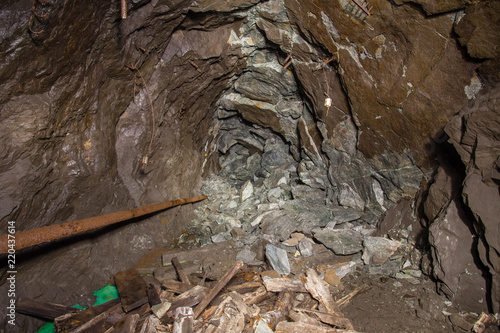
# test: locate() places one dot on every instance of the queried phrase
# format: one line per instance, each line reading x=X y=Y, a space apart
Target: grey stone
x=377 y=250
x=306 y=247
x=350 y=198
x=246 y=256
x=246 y=191
x=282 y=223
x=344 y=214
x=342 y=242
x=159 y=310
x=221 y=237
x=274 y=194
x=278 y=259
x=389 y=268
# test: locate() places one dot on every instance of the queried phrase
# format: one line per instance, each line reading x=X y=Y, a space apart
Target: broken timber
x=28 y=238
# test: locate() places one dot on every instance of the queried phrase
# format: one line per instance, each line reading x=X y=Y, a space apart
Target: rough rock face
x=475 y=135
x=478 y=32
x=462 y=205
x=314 y=106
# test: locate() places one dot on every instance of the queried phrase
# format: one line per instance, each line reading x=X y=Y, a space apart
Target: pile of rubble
x=187 y=294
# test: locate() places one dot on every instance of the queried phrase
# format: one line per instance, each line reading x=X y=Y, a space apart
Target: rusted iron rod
x=123 y=9
x=24 y=239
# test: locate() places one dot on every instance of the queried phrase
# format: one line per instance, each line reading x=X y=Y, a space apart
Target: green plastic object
x=106 y=294
x=47 y=328
x=103 y=295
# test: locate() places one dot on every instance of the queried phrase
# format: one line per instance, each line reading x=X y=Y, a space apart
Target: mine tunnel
x=348 y=151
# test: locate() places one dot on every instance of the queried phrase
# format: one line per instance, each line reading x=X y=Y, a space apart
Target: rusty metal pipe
x=123 y=9
x=27 y=238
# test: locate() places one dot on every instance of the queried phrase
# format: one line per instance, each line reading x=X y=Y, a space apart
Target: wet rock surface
x=291 y=116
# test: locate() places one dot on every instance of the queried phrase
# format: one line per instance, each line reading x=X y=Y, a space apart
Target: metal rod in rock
x=28 y=238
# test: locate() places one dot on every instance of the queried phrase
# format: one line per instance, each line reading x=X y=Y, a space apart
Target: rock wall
x=100 y=114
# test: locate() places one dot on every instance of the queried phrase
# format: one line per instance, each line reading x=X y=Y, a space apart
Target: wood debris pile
x=241 y=301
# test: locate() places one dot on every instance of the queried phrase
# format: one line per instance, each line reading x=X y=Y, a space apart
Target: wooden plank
x=132 y=289
x=71 y=320
x=176 y=286
x=283 y=305
x=247 y=311
x=297 y=316
x=150 y=324
x=101 y=322
x=284 y=284
x=127 y=324
x=43 y=310
x=231 y=321
x=153 y=296
x=184 y=321
x=318 y=290
x=217 y=288
x=245 y=287
x=189 y=298
x=256 y=296
x=181 y=274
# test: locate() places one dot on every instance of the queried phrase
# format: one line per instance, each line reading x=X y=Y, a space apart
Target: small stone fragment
x=306 y=247
x=331 y=278
x=246 y=256
x=159 y=310
x=340 y=241
x=377 y=250
x=291 y=242
x=246 y=191
x=278 y=259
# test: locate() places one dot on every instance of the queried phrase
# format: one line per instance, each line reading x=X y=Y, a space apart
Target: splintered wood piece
x=101 y=322
x=127 y=324
x=71 y=320
x=345 y=300
x=183 y=320
x=284 y=284
x=151 y=280
x=150 y=324
x=189 y=298
x=317 y=289
x=132 y=289
x=245 y=287
x=256 y=296
x=176 y=286
x=231 y=321
x=41 y=309
x=217 y=288
x=181 y=274
x=484 y=321
x=301 y=317
x=153 y=296
x=331 y=319
x=248 y=312
x=300 y=327
x=283 y=305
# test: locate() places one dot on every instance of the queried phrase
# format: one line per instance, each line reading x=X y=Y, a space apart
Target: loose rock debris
x=184 y=294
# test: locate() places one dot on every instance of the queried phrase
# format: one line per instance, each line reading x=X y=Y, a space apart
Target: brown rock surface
x=474 y=134
x=391 y=74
